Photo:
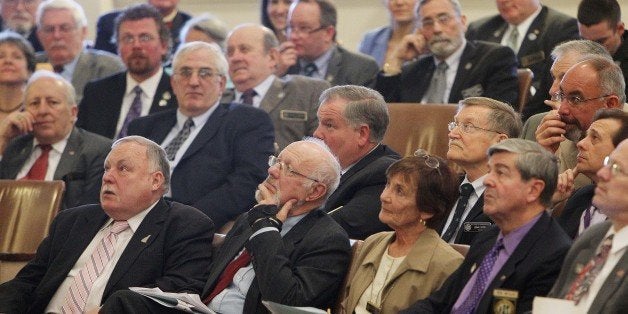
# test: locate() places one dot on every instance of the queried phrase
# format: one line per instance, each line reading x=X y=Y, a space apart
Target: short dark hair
x=144 y=11
x=15 y=39
x=329 y=15
x=592 y=12
x=618 y=115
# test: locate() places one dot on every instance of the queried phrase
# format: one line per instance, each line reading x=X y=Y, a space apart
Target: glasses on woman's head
x=273 y=160
x=430 y=161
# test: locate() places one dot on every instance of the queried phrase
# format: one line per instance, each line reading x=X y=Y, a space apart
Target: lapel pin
x=502 y=278
x=468 y=66
x=532 y=36
x=145 y=239
x=166 y=95
x=163 y=102
x=497 y=34
x=620 y=273
x=281 y=95
x=578 y=268
x=71 y=153
x=329 y=78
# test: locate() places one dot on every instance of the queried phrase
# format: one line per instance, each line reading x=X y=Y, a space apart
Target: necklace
x=12 y=109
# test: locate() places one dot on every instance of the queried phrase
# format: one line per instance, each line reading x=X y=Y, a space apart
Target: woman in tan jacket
x=395 y=269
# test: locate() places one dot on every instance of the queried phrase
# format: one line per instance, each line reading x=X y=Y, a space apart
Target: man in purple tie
x=510 y=264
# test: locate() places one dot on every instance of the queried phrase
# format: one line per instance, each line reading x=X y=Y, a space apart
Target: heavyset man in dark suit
x=75 y=155
x=352 y=121
x=449 y=68
x=218 y=151
x=299 y=255
x=165 y=244
x=607 y=290
x=21 y=19
x=479 y=123
x=508 y=265
x=291 y=101
x=109 y=104
x=531 y=30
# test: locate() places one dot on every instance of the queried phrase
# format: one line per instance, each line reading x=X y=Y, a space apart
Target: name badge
x=473 y=91
x=475 y=226
x=293 y=115
x=505 y=301
x=532 y=58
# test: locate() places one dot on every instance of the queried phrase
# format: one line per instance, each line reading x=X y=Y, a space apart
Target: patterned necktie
x=513 y=40
x=40 y=167
x=134 y=112
x=227 y=275
x=76 y=297
x=478 y=289
x=465 y=191
x=310 y=69
x=175 y=144
x=247 y=96
x=585 y=278
x=436 y=91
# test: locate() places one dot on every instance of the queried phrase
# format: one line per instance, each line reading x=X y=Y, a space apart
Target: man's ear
x=364 y=134
x=316 y=192
x=158 y=180
x=535 y=189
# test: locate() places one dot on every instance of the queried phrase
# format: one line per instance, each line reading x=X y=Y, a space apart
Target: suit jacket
x=621 y=56
x=100 y=108
x=613 y=295
x=91 y=65
x=485 y=69
x=531 y=269
x=548 y=29
x=476 y=215
x=80 y=167
x=292 y=103
x=347 y=68
x=576 y=204
x=175 y=255
x=32 y=37
x=304 y=268
x=105 y=27
x=375 y=43
x=355 y=204
x=221 y=169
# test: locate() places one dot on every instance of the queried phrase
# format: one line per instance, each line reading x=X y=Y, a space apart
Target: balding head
x=252 y=55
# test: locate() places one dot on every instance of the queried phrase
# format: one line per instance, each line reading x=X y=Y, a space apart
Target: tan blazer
x=424 y=270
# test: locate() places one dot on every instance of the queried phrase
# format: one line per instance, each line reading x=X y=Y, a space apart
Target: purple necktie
x=588 y=214
x=247 y=96
x=134 y=112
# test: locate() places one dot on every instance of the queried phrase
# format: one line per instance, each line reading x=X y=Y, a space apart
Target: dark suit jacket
x=577 y=203
x=99 y=110
x=485 y=69
x=80 y=167
x=105 y=28
x=292 y=103
x=221 y=169
x=621 y=56
x=476 y=215
x=358 y=194
x=175 y=256
x=613 y=295
x=347 y=68
x=32 y=37
x=304 y=268
x=531 y=269
x=548 y=29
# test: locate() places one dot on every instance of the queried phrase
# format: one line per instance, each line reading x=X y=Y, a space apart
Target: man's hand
x=551 y=131
x=410 y=47
x=565 y=186
x=15 y=124
x=287 y=58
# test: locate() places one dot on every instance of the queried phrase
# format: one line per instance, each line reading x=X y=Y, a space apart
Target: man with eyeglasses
x=62 y=28
x=284 y=250
x=593 y=275
x=218 y=152
x=479 y=123
x=19 y=16
x=312 y=36
x=111 y=103
x=449 y=68
x=600 y=21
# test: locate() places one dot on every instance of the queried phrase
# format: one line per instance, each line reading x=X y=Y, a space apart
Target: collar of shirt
x=135 y=221
x=620 y=240
x=68 y=68
x=478 y=185
x=57 y=147
x=199 y=121
x=170 y=17
x=512 y=239
x=321 y=62
x=291 y=222
x=261 y=89
x=148 y=86
x=522 y=28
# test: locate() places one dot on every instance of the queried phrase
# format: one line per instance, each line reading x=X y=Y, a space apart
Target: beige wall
x=354 y=16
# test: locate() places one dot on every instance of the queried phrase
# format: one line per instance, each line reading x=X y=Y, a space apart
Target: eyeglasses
x=63 y=29
x=442 y=19
x=273 y=160
x=614 y=167
x=430 y=161
x=28 y=3
x=142 y=39
x=304 y=30
x=467 y=127
x=575 y=100
x=203 y=73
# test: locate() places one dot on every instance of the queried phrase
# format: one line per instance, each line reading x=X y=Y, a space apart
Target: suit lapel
x=163 y=96
x=610 y=287
x=160 y=132
x=78 y=77
x=498 y=34
x=333 y=67
x=424 y=78
x=208 y=131
x=15 y=164
x=530 y=43
x=274 y=96
x=462 y=74
x=69 y=156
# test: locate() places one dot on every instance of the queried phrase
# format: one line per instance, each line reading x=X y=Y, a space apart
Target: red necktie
x=39 y=168
x=227 y=276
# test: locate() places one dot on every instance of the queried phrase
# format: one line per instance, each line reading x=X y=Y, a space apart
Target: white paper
x=543 y=305
x=277 y=308
x=190 y=303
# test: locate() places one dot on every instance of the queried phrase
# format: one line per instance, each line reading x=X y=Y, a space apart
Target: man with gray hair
x=62 y=29
x=21 y=19
x=132 y=238
x=352 y=120
x=510 y=264
x=42 y=143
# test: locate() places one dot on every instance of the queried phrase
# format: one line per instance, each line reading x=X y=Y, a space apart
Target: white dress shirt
x=260 y=91
x=149 y=88
x=478 y=189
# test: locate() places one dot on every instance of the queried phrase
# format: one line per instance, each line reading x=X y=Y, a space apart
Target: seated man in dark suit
x=218 y=152
x=299 y=255
x=134 y=238
x=291 y=101
x=111 y=103
x=42 y=143
x=449 y=68
x=531 y=30
x=479 y=123
x=21 y=19
x=602 y=288
x=352 y=120
x=311 y=35
x=521 y=257
x=608 y=129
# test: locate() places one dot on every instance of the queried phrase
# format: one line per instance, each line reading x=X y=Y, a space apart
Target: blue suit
x=375 y=43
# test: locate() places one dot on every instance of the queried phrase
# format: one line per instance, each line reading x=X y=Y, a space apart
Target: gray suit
x=92 y=64
x=80 y=167
x=613 y=295
x=291 y=102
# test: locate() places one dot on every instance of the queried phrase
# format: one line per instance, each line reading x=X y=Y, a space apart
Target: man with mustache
x=42 y=143
x=19 y=16
x=111 y=103
x=449 y=68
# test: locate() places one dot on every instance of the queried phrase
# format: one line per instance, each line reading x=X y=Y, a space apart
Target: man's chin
x=573 y=133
